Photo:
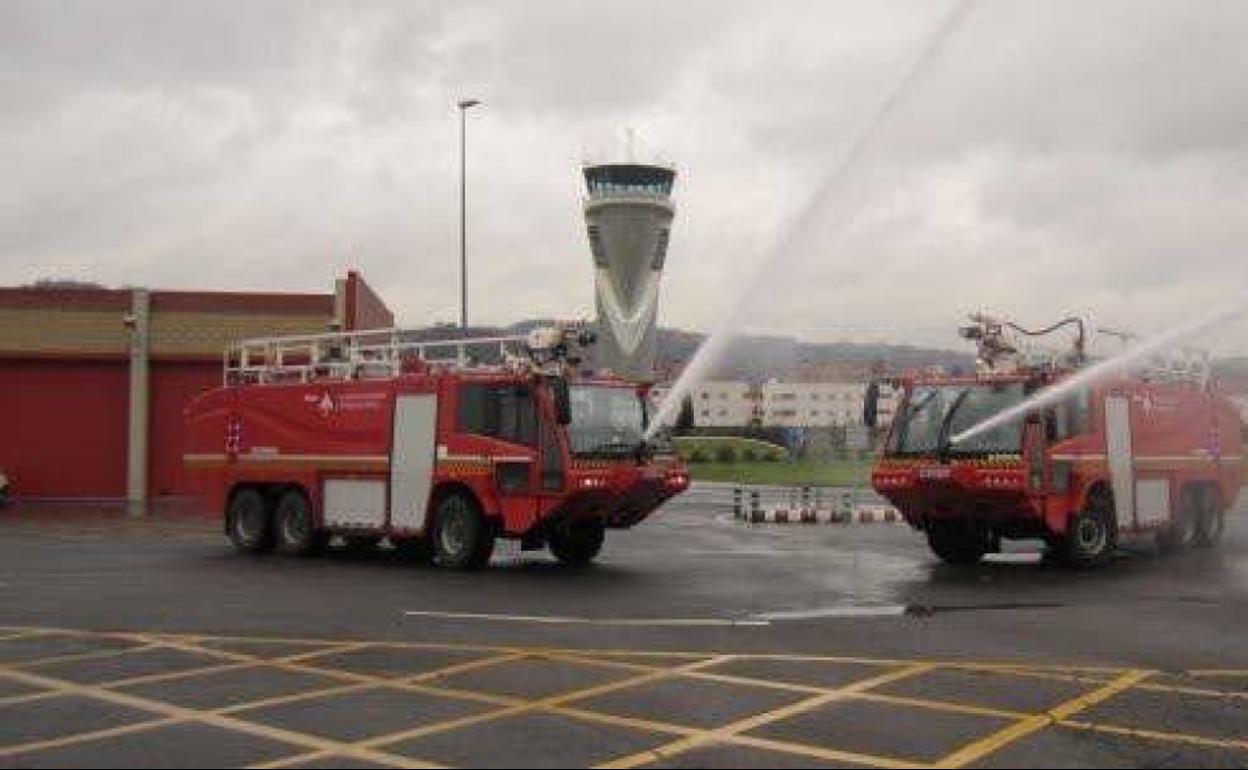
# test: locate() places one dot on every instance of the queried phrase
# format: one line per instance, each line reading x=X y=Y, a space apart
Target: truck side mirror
x=563 y=400
x=871 y=405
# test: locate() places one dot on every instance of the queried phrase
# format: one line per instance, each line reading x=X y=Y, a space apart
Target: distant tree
x=62 y=283
x=726 y=454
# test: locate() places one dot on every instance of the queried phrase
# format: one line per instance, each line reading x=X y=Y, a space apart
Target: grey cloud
x=1072 y=155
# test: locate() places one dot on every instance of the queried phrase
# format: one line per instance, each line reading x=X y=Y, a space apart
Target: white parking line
x=563 y=620
x=878 y=611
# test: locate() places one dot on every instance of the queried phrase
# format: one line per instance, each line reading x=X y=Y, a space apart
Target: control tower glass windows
x=628 y=179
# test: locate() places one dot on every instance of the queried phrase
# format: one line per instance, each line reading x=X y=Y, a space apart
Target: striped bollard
x=738 y=512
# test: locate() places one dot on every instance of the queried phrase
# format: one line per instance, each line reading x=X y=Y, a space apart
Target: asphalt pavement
x=697 y=640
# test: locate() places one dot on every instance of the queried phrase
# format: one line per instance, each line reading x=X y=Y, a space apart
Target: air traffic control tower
x=628 y=213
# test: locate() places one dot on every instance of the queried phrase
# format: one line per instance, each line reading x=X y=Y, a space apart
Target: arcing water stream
x=714 y=345
x=1107 y=368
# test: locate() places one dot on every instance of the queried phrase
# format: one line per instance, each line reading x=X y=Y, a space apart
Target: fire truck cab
x=1151 y=450
x=441 y=447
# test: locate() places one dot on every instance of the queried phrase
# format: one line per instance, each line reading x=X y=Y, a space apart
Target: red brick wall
x=365 y=310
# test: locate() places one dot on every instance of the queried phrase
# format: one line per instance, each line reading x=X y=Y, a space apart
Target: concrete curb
x=860 y=515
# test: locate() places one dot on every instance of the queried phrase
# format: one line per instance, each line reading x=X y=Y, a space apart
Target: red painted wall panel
x=63 y=427
x=174 y=384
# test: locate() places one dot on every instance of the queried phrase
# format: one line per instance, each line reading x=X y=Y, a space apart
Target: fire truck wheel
x=461 y=538
x=1211 y=521
x=248 y=522
x=296 y=530
x=577 y=544
x=956 y=543
x=1091 y=539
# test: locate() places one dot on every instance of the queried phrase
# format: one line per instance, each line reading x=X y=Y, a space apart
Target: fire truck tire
x=1182 y=531
x=462 y=538
x=1092 y=537
x=1211 y=521
x=295 y=526
x=956 y=543
x=577 y=544
x=248 y=521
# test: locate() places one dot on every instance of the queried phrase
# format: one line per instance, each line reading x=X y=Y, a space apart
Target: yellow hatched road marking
x=551 y=703
x=1135 y=732
x=819 y=752
x=696 y=665
x=784 y=712
x=81 y=656
x=1021 y=729
x=184 y=713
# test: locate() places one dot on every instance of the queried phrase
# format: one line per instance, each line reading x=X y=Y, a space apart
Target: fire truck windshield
x=933 y=413
x=606 y=420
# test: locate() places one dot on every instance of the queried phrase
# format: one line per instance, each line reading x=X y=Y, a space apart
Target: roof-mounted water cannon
x=1006 y=346
x=558 y=346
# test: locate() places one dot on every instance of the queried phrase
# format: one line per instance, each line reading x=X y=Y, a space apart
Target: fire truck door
x=412 y=458
x=1120 y=456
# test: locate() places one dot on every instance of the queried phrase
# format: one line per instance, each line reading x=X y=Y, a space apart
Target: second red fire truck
x=441 y=447
x=1150 y=450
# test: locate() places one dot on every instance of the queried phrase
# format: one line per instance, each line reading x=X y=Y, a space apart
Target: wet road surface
x=696 y=641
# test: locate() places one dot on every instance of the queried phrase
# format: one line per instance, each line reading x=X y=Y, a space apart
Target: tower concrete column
x=628 y=216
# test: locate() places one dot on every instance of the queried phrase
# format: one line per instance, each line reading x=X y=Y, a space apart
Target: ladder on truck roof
x=370 y=354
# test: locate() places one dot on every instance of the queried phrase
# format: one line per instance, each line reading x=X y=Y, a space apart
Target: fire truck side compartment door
x=1121 y=460
x=412 y=458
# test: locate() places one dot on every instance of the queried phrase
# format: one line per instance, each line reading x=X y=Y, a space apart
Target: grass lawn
x=836 y=473
x=739 y=444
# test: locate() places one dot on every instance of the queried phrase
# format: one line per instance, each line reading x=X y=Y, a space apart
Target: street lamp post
x=464 y=106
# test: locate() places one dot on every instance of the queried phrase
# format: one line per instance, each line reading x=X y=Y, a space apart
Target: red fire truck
x=441 y=447
x=1151 y=449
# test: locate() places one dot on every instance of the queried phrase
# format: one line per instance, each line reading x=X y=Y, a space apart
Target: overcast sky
x=1056 y=156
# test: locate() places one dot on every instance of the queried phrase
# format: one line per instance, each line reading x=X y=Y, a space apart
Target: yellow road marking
x=696 y=666
x=94 y=735
x=360 y=682
x=981 y=748
x=941 y=705
x=80 y=656
x=1202 y=692
x=540 y=704
x=784 y=712
x=216 y=720
x=746 y=681
x=819 y=752
x=1135 y=732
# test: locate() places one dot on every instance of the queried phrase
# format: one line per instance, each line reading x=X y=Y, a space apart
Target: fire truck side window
x=505 y=412
x=1074 y=415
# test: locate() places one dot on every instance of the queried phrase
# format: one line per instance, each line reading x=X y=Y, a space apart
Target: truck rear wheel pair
x=290 y=528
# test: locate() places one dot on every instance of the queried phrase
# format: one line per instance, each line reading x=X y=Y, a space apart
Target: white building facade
x=736 y=404
x=724 y=404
